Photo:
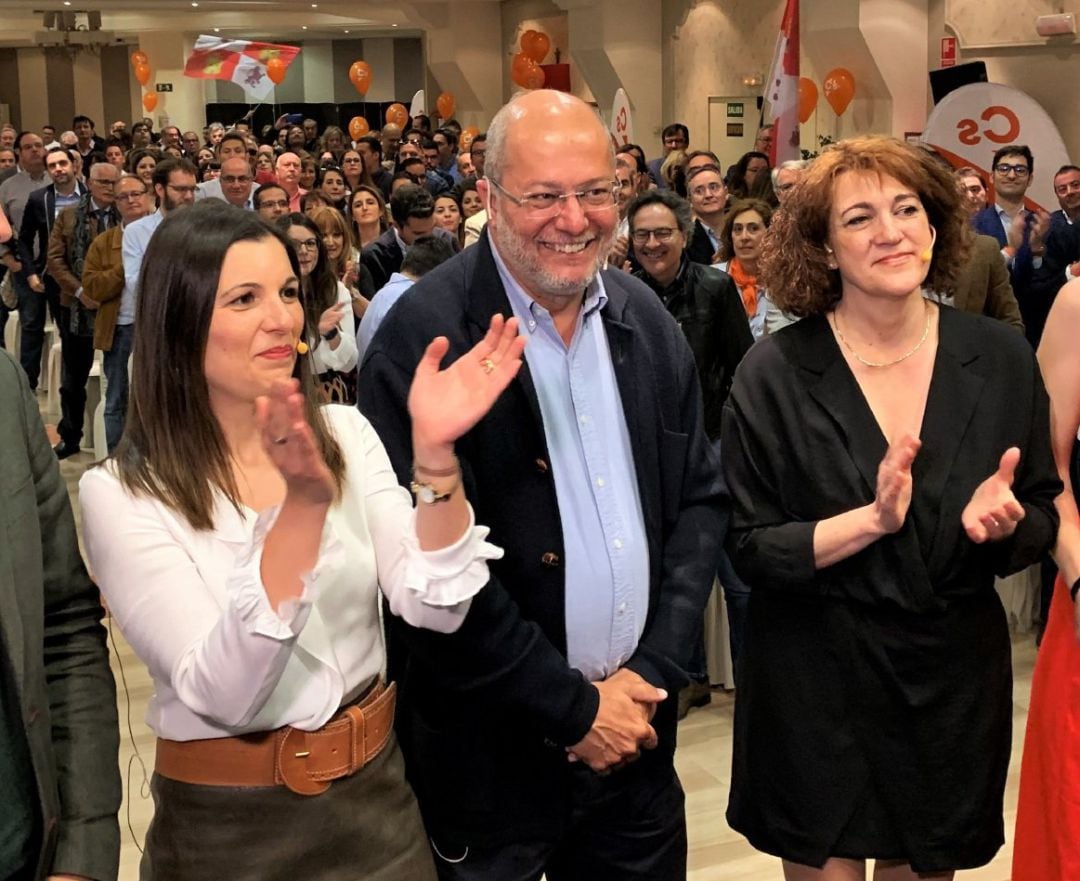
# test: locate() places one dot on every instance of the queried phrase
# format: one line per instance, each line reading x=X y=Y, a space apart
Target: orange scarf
x=747 y=285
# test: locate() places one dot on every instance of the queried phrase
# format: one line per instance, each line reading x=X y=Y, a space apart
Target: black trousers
x=77 y=357
x=623 y=827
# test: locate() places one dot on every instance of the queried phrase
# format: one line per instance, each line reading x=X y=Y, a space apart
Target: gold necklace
x=904 y=357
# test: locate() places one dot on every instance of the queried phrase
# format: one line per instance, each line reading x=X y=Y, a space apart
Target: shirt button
x=532 y=325
x=584 y=420
x=622 y=608
x=617 y=543
x=550 y=559
x=541 y=466
x=599 y=481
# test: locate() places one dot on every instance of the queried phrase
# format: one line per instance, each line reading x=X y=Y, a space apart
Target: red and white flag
x=782 y=89
x=241 y=61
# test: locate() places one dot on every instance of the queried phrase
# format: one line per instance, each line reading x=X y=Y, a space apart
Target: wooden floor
x=703 y=760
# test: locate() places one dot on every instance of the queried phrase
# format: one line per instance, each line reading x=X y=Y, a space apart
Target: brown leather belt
x=304 y=761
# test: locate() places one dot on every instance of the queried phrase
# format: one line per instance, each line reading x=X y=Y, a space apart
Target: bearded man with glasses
x=540 y=737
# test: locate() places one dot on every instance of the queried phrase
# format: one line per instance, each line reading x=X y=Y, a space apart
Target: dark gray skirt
x=365 y=827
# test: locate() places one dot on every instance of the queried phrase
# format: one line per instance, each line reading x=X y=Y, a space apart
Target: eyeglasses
x=235 y=179
x=545 y=204
x=130 y=196
x=306 y=244
x=662 y=235
x=1004 y=169
x=707 y=189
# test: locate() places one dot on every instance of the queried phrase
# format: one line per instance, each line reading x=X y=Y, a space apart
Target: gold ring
x=487 y=364
x=281 y=441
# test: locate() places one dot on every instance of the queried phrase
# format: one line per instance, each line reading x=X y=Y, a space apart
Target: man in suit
x=1062 y=262
x=59 y=737
x=70 y=239
x=983 y=286
x=413 y=211
x=675 y=137
x=540 y=737
x=1020 y=233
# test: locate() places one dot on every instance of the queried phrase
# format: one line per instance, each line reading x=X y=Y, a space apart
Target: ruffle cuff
x=247 y=593
x=451 y=575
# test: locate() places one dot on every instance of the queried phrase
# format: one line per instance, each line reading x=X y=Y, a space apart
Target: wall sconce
x=752 y=80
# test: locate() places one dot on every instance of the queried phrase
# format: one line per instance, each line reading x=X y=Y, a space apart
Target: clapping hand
x=444 y=404
x=290 y=444
x=331 y=318
x=993 y=512
x=894 y=483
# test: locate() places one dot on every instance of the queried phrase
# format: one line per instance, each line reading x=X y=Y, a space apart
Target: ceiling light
x=217 y=30
x=393 y=25
x=67 y=2
x=314 y=5
x=194 y=4
x=304 y=27
x=346 y=30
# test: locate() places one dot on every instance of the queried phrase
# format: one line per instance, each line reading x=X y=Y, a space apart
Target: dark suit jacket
x=488 y=711
x=1033 y=302
x=1062 y=250
x=983 y=287
x=382 y=258
x=50 y=617
x=700 y=247
x=654 y=173
x=37 y=224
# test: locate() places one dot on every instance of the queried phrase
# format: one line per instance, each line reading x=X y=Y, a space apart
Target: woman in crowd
x=331 y=182
x=741 y=240
x=340 y=252
x=747 y=175
x=309 y=172
x=471 y=203
x=886 y=459
x=333 y=140
x=264 y=163
x=368 y=215
x=203 y=159
x=1047 y=844
x=257 y=529
x=356 y=175
x=448 y=215
x=330 y=326
x=673 y=171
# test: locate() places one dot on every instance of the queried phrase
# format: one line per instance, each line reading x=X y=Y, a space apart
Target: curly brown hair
x=794 y=264
x=765 y=212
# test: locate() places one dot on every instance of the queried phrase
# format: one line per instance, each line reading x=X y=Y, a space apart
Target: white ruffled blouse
x=193 y=607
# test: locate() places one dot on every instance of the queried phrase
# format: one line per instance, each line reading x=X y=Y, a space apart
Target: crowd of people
x=845 y=387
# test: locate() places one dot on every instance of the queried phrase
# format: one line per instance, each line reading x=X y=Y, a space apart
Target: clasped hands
x=991 y=514
x=622 y=726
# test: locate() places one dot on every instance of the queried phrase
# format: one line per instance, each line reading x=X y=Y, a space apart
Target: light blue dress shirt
x=380 y=304
x=137 y=236
x=606 y=553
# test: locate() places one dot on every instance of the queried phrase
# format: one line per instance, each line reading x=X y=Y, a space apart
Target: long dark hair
x=173 y=448
x=320 y=287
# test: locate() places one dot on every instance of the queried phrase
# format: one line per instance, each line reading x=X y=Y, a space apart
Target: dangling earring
x=832 y=264
x=928 y=255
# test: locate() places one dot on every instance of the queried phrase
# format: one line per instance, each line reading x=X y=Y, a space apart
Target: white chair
x=94 y=397
x=51 y=373
x=12 y=335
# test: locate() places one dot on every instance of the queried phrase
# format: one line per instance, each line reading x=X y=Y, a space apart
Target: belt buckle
x=293 y=750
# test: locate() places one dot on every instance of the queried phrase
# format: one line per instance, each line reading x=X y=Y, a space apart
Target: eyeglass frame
x=668 y=235
x=1004 y=168
x=560 y=200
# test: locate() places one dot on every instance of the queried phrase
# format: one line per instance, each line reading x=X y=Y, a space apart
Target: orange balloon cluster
x=397 y=114
x=535 y=45
x=358 y=127
x=360 y=76
x=808 y=95
x=445 y=105
x=276 y=69
x=839 y=87
x=525 y=72
x=140 y=66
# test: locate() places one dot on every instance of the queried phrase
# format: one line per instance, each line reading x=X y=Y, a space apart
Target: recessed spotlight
x=67 y=2
x=346 y=30
x=393 y=25
x=217 y=30
x=304 y=27
x=194 y=4
x=314 y=5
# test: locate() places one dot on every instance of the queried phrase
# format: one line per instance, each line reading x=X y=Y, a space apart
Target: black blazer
x=382 y=258
x=487 y=712
x=37 y=223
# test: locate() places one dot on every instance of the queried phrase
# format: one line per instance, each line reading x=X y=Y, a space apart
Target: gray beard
x=527 y=269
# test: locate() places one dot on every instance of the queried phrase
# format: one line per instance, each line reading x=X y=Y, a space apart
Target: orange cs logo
x=1002 y=127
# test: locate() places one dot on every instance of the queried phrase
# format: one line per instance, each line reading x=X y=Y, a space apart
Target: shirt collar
x=595 y=295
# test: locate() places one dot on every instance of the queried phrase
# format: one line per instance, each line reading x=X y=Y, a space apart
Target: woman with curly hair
x=886 y=458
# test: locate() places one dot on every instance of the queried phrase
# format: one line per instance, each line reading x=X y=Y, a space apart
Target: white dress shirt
x=193 y=607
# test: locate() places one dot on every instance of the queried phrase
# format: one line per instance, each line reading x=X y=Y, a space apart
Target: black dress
x=874 y=714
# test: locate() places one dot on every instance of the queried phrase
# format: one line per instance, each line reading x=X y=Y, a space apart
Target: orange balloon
x=139 y=57
x=360 y=76
x=535 y=78
x=839 y=87
x=396 y=114
x=536 y=45
x=275 y=69
x=524 y=71
x=445 y=105
x=808 y=96
x=149 y=101
x=142 y=73
x=358 y=127
x=468 y=135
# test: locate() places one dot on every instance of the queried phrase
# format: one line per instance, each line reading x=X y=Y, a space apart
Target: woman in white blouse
x=331 y=329
x=240 y=536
